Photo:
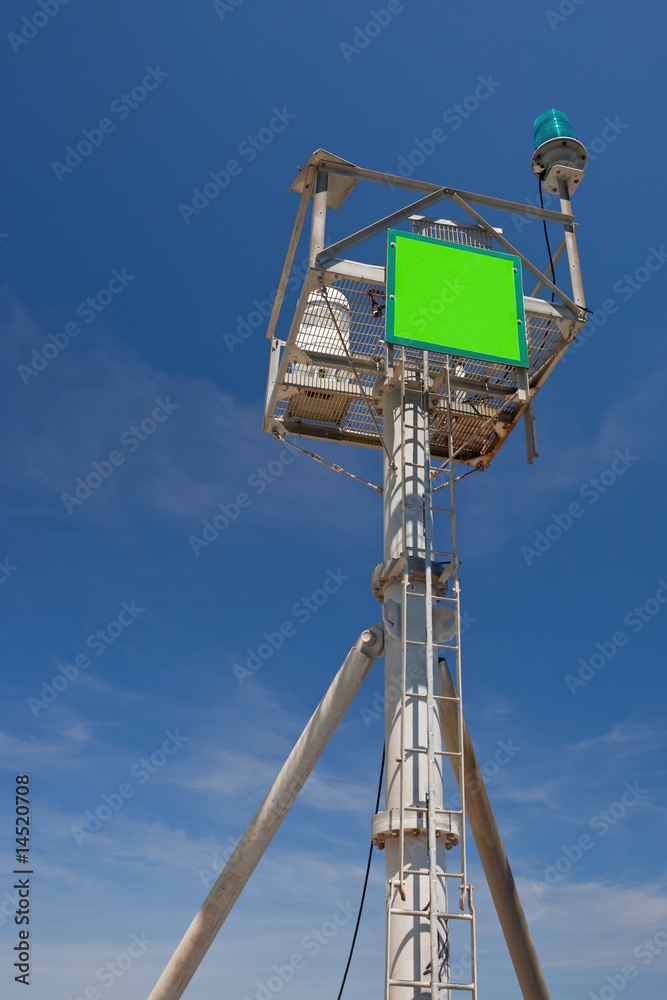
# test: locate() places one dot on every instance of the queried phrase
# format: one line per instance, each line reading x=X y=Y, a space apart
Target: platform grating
x=324 y=398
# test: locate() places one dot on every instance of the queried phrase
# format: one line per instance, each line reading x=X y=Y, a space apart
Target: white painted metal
x=319 y=219
x=308 y=181
x=374 y=273
x=342 y=168
x=381 y=226
x=406 y=717
x=415 y=828
x=571 y=244
x=298 y=766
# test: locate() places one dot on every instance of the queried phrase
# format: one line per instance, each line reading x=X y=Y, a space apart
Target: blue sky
x=133 y=296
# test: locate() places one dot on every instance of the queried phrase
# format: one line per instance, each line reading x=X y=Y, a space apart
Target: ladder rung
x=436 y=697
x=438 y=753
x=425 y=871
x=415 y=593
x=434 y=510
x=439 y=812
x=426 y=914
x=434 y=596
x=412 y=983
x=435 y=645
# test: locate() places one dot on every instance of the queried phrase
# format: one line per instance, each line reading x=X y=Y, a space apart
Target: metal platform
x=323 y=376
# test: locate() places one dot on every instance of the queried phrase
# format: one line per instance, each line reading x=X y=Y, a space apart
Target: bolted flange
x=386 y=825
x=391 y=571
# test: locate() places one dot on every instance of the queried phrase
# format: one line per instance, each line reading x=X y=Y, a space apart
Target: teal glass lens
x=552 y=124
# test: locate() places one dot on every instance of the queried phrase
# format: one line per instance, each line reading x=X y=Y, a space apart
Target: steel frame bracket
x=391 y=571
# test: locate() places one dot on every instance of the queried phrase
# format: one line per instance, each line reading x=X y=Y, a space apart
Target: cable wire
x=363 y=892
x=327 y=463
x=546 y=236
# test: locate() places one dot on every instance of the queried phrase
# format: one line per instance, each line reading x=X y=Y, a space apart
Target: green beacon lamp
x=558 y=156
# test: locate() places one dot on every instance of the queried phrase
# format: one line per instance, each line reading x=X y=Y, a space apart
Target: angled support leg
x=295 y=771
x=491 y=851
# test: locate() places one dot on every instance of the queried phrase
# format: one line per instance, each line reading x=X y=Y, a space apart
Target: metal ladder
x=435 y=977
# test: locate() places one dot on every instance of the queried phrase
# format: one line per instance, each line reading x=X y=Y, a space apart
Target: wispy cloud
x=624 y=740
x=599 y=923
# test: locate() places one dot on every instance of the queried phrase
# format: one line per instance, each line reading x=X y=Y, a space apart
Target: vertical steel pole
x=319 y=219
x=571 y=245
x=406 y=717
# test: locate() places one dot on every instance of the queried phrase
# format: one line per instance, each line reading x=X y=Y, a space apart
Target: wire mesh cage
x=336 y=353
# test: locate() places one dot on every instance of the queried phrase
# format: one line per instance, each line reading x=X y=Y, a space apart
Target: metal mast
x=341 y=372
x=420 y=591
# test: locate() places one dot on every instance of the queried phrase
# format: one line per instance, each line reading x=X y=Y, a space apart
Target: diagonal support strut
x=389 y=221
x=295 y=771
x=542 y=278
x=491 y=851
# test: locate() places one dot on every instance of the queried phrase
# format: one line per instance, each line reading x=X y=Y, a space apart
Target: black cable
x=363 y=892
x=546 y=236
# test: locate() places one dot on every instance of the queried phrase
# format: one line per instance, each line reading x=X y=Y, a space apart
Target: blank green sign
x=455 y=299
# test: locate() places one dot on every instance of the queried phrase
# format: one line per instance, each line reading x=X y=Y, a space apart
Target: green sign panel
x=456 y=299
